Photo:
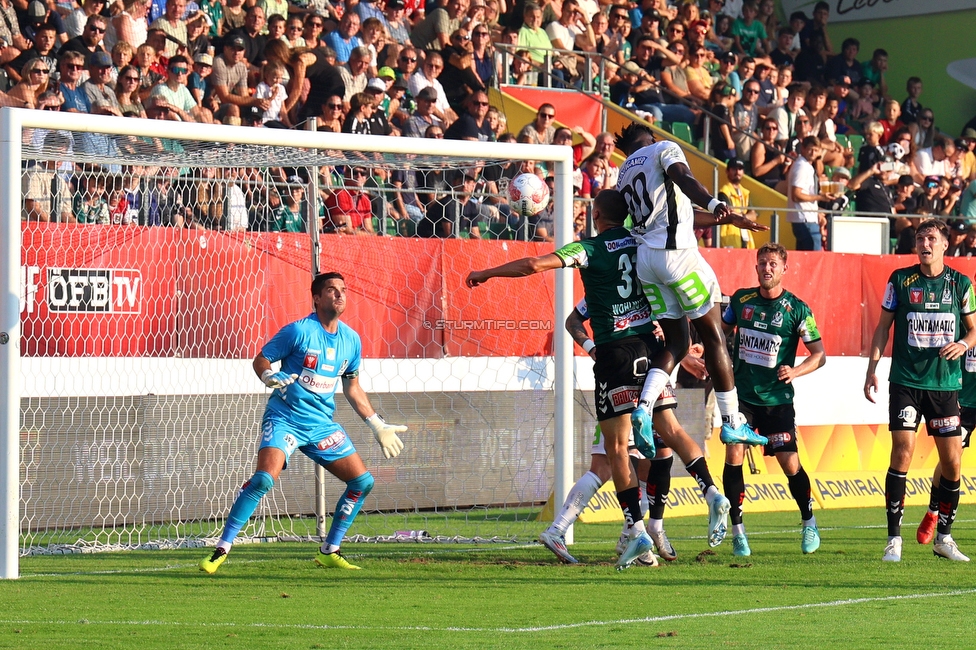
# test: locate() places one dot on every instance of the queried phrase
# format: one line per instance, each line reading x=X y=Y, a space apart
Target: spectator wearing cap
x=423 y=117
x=250 y=33
x=910 y=108
x=434 y=32
x=90 y=40
x=71 y=67
x=198 y=81
x=397 y=27
x=344 y=39
x=649 y=25
x=472 y=123
x=39 y=14
x=904 y=200
x=44 y=46
x=426 y=77
x=736 y=197
x=177 y=95
x=749 y=34
x=727 y=63
x=378 y=122
x=355 y=73
x=958 y=233
x=930 y=202
x=230 y=85
x=98 y=88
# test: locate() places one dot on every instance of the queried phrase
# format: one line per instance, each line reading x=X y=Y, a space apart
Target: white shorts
x=598 y=447
x=677 y=282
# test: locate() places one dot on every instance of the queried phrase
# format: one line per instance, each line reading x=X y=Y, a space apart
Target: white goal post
x=14 y=123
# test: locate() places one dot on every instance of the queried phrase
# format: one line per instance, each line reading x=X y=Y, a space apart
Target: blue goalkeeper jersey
x=319 y=359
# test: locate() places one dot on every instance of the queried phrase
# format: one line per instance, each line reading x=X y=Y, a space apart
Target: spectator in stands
x=810 y=64
x=355 y=73
x=749 y=34
x=910 y=108
x=127 y=92
x=721 y=101
x=98 y=87
x=349 y=211
x=198 y=82
x=786 y=116
x=697 y=75
x=43 y=46
x=230 y=85
x=357 y=118
x=423 y=116
x=768 y=161
x=90 y=40
x=767 y=89
x=130 y=25
x=177 y=95
x=314 y=27
x=47 y=196
x=930 y=202
x=38 y=14
x=12 y=42
x=434 y=31
x=332 y=116
x=967 y=205
x=817 y=27
x=428 y=77
x=76 y=20
x=782 y=79
x=344 y=39
x=744 y=72
x=872 y=192
x=393 y=16
x=33 y=83
x=173 y=25
x=890 y=122
x=293 y=32
x=846 y=64
x=71 y=67
x=783 y=54
x=378 y=123
x=531 y=36
x=542 y=129
x=803 y=193
x=923 y=131
x=745 y=114
x=736 y=197
x=931 y=161
x=472 y=123
x=251 y=33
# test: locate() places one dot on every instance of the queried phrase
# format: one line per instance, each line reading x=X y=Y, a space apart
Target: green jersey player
x=929 y=304
x=624 y=339
x=770 y=322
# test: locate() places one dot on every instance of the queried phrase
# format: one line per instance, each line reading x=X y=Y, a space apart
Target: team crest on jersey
x=747 y=312
x=311 y=361
x=761 y=315
x=947 y=296
x=778 y=320
x=330 y=354
x=915 y=296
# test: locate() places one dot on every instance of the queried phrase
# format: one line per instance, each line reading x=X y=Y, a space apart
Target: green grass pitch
x=412 y=595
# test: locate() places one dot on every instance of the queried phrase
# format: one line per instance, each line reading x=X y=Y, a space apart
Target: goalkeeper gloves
x=386 y=435
x=278 y=379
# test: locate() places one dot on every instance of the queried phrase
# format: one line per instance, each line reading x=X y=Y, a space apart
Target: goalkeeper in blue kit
x=316 y=352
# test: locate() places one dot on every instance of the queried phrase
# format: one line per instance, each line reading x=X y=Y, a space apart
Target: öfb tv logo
x=112 y=291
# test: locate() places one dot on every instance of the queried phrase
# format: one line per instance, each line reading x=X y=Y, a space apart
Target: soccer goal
x=144 y=264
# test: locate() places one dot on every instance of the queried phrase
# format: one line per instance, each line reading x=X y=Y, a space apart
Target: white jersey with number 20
x=664 y=217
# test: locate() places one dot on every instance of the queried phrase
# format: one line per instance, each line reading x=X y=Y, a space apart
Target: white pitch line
x=507 y=630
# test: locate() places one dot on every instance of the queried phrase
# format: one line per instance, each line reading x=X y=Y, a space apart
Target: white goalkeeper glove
x=386 y=435
x=278 y=379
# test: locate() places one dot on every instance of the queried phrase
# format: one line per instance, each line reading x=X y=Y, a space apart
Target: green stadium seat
x=682 y=131
x=842 y=140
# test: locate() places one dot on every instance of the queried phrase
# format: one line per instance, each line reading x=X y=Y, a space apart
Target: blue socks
x=244 y=506
x=346 y=510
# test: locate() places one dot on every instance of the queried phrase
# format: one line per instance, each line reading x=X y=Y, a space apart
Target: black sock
x=895 y=500
x=800 y=489
x=629 y=501
x=698 y=469
x=658 y=486
x=948 y=504
x=934 y=497
x=735 y=490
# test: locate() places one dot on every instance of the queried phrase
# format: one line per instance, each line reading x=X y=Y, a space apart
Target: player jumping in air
x=623 y=330
x=315 y=353
x=770 y=323
x=660 y=190
x=929 y=304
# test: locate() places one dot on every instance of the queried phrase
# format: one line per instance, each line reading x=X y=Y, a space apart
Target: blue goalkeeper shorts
x=324 y=445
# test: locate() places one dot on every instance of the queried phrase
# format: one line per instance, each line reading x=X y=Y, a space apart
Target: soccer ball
x=528 y=195
x=896 y=151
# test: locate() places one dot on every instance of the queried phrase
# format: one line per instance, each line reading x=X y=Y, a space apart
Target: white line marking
x=507 y=630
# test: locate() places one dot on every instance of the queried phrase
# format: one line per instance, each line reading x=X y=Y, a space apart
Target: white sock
x=224 y=545
x=637 y=529
x=710 y=494
x=655 y=525
x=812 y=522
x=728 y=404
x=940 y=537
x=738 y=529
x=328 y=548
x=655 y=382
x=576 y=500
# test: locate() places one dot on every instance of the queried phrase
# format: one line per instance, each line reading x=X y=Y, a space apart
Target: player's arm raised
x=878 y=343
x=385 y=434
x=516 y=269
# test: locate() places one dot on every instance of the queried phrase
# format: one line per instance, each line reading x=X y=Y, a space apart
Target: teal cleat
x=811 y=539
x=741 y=435
x=718 y=514
x=640 y=420
x=637 y=547
x=740 y=545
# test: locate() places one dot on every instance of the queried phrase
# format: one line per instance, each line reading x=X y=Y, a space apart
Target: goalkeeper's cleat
x=926 y=528
x=334 y=560
x=740 y=545
x=742 y=434
x=640 y=421
x=622 y=544
x=636 y=547
x=211 y=564
x=718 y=514
x=663 y=545
x=946 y=547
x=810 y=540
x=892 y=552
x=557 y=544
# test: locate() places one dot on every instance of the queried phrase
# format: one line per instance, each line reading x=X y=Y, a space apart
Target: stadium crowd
x=786 y=105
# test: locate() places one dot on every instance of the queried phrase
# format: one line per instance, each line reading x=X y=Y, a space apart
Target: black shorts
x=967 y=420
x=620 y=369
x=778 y=423
x=907 y=406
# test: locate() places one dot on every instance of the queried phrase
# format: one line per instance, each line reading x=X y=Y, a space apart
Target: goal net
x=148 y=261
